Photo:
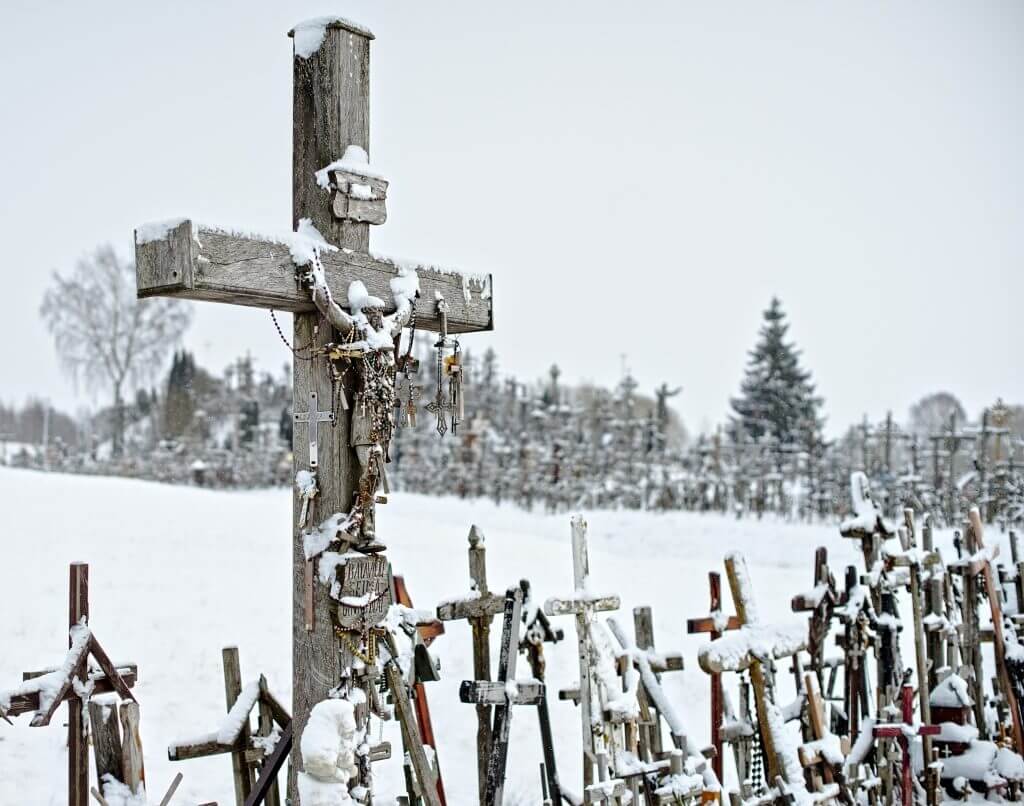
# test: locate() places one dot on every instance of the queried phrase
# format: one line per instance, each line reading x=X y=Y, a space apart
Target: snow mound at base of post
x=328 y=748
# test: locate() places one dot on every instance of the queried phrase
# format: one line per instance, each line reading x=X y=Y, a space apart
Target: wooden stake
x=78 y=747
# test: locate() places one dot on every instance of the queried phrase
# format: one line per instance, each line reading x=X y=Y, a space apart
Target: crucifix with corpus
x=349 y=306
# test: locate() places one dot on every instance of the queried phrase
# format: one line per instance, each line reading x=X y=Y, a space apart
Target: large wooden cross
x=331 y=68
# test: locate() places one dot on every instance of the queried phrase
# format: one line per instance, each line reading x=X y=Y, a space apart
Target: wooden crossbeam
x=26 y=703
x=204 y=263
x=487 y=692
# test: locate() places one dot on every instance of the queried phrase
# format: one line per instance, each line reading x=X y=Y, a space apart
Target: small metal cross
x=439 y=405
x=312 y=419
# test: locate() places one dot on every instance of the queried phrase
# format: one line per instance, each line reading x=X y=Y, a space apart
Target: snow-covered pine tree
x=777 y=397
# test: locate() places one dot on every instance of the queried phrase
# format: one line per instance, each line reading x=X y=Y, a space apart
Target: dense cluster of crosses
x=361 y=650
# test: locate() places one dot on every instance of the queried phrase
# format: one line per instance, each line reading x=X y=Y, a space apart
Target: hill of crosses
x=897 y=679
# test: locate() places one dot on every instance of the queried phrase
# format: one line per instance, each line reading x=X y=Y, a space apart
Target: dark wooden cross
x=715 y=624
x=856 y=613
x=74 y=672
x=502 y=694
x=539 y=632
x=331 y=69
x=479 y=609
x=901 y=731
x=820 y=603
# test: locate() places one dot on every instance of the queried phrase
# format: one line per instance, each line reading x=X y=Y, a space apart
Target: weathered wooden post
x=180 y=259
x=78 y=745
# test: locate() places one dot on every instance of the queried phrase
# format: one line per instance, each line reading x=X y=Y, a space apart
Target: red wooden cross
x=901 y=731
x=715 y=624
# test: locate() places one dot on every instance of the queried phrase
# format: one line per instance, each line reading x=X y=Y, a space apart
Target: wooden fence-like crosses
x=75 y=681
x=253 y=757
x=593 y=694
x=820 y=602
x=748 y=648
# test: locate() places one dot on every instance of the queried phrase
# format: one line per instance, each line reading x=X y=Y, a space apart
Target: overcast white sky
x=640 y=178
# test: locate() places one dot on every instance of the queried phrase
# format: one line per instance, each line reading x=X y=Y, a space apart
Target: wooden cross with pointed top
x=715 y=624
x=331 y=62
x=502 y=694
x=479 y=609
x=584 y=606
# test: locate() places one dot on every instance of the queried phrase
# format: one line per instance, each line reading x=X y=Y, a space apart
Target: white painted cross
x=331 y=65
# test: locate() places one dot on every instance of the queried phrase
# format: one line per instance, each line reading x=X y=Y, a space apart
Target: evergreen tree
x=776 y=396
x=179 y=402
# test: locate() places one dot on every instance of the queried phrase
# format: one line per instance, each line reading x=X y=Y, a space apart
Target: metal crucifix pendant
x=312 y=420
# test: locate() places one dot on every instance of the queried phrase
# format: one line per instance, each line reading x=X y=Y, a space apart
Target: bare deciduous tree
x=103 y=334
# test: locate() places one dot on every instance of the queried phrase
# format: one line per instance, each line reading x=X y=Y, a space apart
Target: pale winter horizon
x=640 y=183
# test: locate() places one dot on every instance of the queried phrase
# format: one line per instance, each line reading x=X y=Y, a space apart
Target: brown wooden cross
x=715 y=624
x=820 y=603
x=331 y=61
x=68 y=680
x=748 y=648
x=479 y=609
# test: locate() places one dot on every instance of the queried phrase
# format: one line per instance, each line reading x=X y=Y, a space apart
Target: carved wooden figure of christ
x=180 y=259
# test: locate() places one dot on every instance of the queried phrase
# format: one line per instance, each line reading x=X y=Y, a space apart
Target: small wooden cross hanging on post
x=715 y=624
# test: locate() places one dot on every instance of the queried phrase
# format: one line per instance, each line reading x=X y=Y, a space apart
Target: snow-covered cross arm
x=180 y=258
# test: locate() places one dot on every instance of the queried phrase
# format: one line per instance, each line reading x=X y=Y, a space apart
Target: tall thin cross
x=331 y=111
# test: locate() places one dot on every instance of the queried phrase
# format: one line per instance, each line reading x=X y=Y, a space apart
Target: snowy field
x=176 y=573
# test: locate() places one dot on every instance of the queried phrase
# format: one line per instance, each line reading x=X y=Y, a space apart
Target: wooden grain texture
x=241 y=771
x=266 y=784
x=242 y=270
x=78 y=746
x=106 y=741
x=330 y=111
x=131 y=748
x=26 y=703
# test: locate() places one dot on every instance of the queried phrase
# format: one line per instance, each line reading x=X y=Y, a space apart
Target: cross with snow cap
x=747 y=648
x=336 y=195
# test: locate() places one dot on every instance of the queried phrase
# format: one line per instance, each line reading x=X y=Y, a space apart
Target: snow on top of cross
x=737 y=650
x=237 y=717
x=951 y=693
x=355 y=160
x=306 y=243
x=471 y=281
x=157 y=230
x=309 y=34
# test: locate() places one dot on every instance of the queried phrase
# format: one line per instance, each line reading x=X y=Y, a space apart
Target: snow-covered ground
x=176 y=573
